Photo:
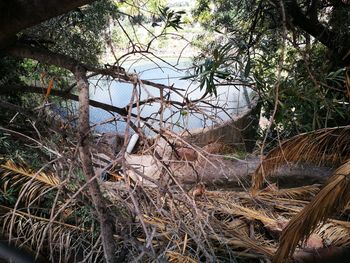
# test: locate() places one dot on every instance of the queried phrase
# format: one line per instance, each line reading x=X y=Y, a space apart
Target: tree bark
x=48 y=57
x=105 y=219
x=237 y=174
x=17 y=15
x=42 y=55
x=339 y=46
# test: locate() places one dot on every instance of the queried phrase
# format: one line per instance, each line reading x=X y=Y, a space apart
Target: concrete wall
x=238 y=132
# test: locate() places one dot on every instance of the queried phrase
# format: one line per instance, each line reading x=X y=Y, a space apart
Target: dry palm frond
x=40 y=234
x=337 y=234
x=345 y=224
x=226 y=205
x=301 y=193
x=246 y=243
x=248 y=213
x=41 y=177
x=332 y=198
x=175 y=257
x=329 y=146
x=31 y=185
x=11 y=211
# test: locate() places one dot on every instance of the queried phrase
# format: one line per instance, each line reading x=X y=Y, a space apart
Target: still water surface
x=119 y=94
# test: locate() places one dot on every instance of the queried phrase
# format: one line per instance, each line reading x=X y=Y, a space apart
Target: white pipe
x=132 y=143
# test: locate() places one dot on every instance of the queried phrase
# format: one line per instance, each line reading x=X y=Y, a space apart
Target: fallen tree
x=227 y=174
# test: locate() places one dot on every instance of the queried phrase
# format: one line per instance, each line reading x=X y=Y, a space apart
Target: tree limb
x=48 y=57
x=225 y=173
x=123 y=112
x=17 y=15
x=325 y=35
x=15 y=108
x=69 y=96
x=42 y=55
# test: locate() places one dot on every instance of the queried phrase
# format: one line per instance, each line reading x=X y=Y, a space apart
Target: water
x=175 y=117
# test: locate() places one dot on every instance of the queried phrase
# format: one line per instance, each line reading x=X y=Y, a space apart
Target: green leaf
x=189 y=77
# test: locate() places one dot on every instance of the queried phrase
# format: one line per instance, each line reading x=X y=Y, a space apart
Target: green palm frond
x=332 y=198
x=329 y=146
x=31 y=185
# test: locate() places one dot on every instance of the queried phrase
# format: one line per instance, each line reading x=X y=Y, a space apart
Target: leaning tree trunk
x=105 y=220
x=229 y=174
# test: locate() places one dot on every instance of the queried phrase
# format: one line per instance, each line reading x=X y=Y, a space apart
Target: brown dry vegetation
x=181 y=226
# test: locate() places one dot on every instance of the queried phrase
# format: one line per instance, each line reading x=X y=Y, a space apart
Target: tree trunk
x=339 y=45
x=106 y=222
x=237 y=174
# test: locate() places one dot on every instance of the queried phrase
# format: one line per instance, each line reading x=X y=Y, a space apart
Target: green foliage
x=79 y=33
x=202 y=12
x=8 y=197
x=10 y=71
x=15 y=150
x=184 y=113
x=339 y=19
x=309 y=97
x=119 y=38
x=216 y=15
x=312 y=92
x=153 y=5
x=171 y=18
x=209 y=69
x=38 y=74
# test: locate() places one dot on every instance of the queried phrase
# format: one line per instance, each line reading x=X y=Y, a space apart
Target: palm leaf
x=40 y=235
x=330 y=146
x=31 y=185
x=41 y=177
x=333 y=197
x=337 y=232
x=177 y=257
x=300 y=193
